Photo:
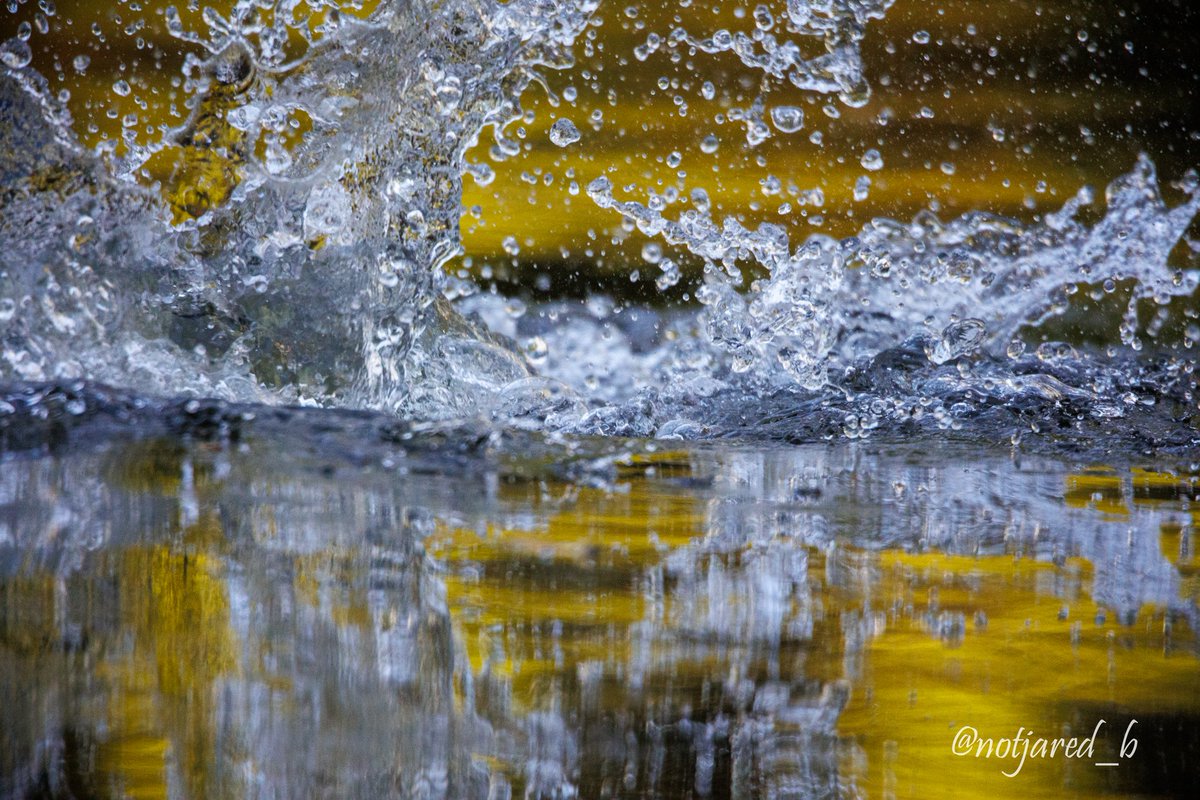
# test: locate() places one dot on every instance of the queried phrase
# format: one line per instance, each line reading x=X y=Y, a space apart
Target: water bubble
x=510 y=245
x=709 y=144
x=1016 y=349
x=872 y=160
x=563 y=132
x=708 y=91
x=81 y=62
x=15 y=53
x=674 y=159
x=921 y=37
x=121 y=88
x=787 y=119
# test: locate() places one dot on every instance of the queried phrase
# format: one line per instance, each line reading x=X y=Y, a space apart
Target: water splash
x=960 y=285
x=282 y=265
x=294 y=253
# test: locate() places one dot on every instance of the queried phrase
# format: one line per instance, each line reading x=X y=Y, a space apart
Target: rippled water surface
x=299 y=606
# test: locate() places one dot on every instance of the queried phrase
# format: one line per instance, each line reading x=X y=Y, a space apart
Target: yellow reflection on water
x=655 y=599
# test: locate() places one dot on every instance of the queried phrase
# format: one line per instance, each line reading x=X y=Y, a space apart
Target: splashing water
x=293 y=271
x=297 y=254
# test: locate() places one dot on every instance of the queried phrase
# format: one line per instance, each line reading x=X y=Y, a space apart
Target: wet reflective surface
x=915 y=526
x=294 y=613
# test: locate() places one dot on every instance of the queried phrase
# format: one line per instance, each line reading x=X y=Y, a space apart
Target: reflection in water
x=200 y=620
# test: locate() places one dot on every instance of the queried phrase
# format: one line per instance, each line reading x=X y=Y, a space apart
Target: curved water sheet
x=315 y=193
x=255 y=617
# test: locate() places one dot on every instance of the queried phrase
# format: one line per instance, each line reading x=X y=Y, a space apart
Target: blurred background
x=1006 y=106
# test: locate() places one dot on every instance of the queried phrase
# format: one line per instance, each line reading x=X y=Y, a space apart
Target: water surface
x=323 y=606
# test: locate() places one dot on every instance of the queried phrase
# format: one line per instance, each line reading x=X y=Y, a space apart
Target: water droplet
x=1054 y=351
x=862 y=188
x=121 y=88
x=15 y=53
x=81 y=63
x=515 y=307
x=788 y=119
x=921 y=37
x=563 y=132
x=872 y=160
x=709 y=144
x=670 y=274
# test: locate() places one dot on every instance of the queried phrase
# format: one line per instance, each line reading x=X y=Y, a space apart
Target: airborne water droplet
x=862 y=188
x=15 y=53
x=788 y=119
x=563 y=132
x=670 y=274
x=121 y=88
x=872 y=160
